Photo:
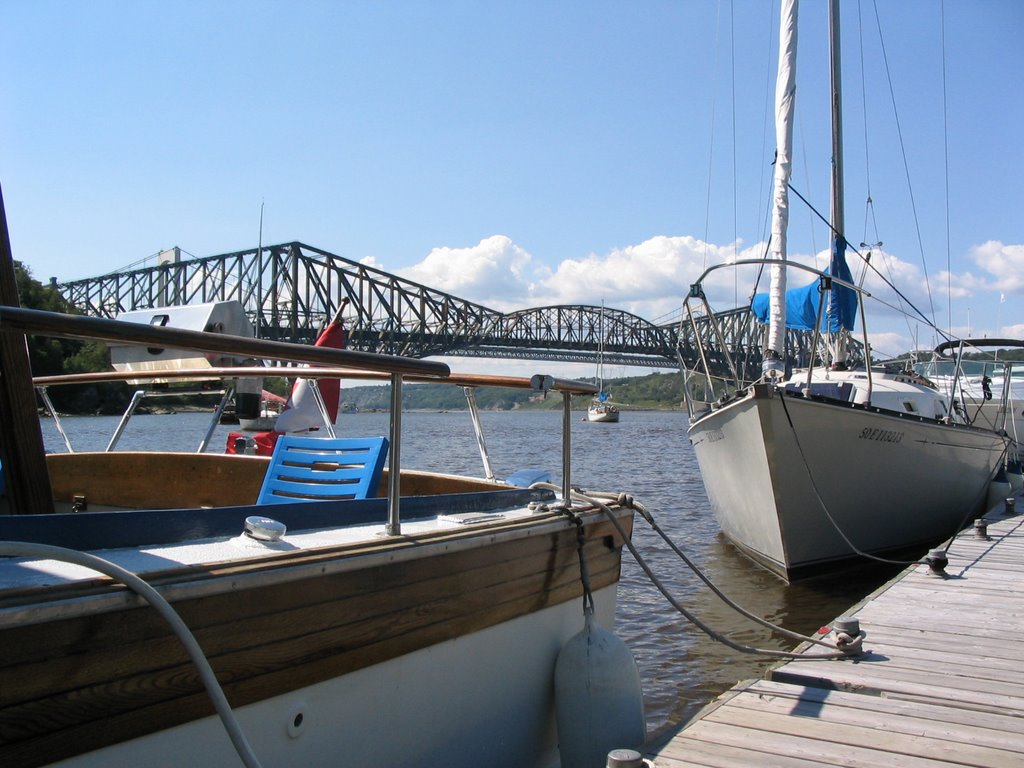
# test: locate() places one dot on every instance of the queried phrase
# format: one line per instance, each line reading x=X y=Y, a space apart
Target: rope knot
x=851 y=645
x=849 y=637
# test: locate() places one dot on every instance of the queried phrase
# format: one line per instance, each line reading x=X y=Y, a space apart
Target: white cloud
x=1004 y=262
x=652 y=269
x=652 y=278
x=889 y=344
x=495 y=272
x=653 y=275
x=962 y=286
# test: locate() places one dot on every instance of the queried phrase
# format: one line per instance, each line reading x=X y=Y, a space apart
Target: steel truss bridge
x=290 y=292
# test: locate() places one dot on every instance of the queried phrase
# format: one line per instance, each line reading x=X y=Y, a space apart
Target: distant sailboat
x=601 y=408
x=811 y=467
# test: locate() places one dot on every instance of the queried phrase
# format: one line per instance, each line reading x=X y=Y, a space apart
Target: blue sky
x=516 y=153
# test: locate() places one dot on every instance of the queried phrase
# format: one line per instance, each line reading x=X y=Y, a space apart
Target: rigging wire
x=773 y=36
x=945 y=168
x=735 y=176
x=807 y=180
x=711 y=142
x=766 y=123
x=869 y=204
x=889 y=284
x=906 y=166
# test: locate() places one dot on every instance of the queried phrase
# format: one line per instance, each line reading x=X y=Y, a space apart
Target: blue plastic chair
x=323 y=469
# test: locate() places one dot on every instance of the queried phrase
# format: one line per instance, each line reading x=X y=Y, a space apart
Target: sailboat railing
x=478 y=430
x=394 y=524
x=1007 y=397
x=696 y=293
x=45 y=397
x=867 y=347
x=958 y=387
x=719 y=337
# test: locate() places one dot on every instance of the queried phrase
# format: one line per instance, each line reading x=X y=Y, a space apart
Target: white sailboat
x=601 y=408
x=810 y=467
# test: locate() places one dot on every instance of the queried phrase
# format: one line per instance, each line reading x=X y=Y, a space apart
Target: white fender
x=598 y=700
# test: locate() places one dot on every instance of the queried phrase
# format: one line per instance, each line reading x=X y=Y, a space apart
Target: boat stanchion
x=937 y=562
x=981 y=528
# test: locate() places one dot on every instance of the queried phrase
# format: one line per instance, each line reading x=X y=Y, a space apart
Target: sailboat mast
x=785 y=101
x=838 y=214
x=838 y=209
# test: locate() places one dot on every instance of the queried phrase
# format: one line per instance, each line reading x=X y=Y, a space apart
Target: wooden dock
x=942 y=684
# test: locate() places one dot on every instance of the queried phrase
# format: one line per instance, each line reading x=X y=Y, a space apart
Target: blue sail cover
x=802 y=303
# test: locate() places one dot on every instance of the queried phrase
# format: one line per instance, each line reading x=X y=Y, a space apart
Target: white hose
x=154 y=598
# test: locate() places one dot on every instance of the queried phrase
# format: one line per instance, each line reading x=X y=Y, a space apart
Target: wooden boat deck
x=943 y=683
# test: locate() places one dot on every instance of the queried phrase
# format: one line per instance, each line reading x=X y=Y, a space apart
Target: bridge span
x=291 y=290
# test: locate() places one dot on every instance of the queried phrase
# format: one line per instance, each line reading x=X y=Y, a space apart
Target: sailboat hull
x=799 y=484
x=603 y=413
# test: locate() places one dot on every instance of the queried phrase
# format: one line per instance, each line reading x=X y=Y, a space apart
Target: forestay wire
x=906 y=166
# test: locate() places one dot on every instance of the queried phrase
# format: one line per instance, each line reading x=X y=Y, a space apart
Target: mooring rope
x=844 y=648
x=581 y=540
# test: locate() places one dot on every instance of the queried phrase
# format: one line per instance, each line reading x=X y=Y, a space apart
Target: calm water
x=647 y=455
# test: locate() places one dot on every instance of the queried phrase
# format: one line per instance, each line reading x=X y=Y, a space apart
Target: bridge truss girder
x=290 y=291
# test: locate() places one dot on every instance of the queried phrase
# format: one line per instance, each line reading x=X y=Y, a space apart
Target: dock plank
x=987 y=729
x=942 y=684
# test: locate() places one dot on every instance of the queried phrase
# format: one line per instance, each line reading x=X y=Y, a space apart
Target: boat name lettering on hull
x=881 y=435
x=714 y=435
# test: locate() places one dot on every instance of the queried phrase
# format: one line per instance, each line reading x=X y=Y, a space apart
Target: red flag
x=300 y=412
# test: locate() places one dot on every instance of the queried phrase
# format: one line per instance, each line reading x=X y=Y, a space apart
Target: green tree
x=52 y=357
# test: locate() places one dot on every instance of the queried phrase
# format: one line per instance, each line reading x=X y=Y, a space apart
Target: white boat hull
x=603 y=413
x=992 y=414
x=261 y=424
x=885 y=481
x=479 y=692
